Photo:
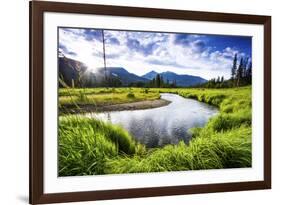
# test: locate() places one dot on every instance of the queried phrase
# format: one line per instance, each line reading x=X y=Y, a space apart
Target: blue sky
x=202 y=55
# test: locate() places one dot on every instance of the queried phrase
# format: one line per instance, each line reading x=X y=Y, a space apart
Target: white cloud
x=90 y=53
x=141 y=52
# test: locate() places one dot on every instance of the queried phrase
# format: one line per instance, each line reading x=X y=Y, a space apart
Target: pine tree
x=239 y=74
x=234 y=67
x=153 y=83
x=249 y=73
x=174 y=83
x=158 y=81
x=245 y=64
x=222 y=82
x=161 y=81
x=218 y=80
x=167 y=83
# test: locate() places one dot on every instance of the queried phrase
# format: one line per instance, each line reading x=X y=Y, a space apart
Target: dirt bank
x=146 y=104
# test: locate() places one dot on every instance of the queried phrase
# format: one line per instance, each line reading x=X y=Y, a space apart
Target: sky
x=207 y=56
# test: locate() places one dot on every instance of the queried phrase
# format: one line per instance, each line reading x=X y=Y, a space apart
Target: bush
x=146 y=90
x=130 y=95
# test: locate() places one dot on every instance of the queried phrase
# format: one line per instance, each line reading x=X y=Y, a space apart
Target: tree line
x=241 y=75
x=90 y=80
x=159 y=82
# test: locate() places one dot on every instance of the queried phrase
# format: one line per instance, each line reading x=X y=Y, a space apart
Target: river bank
x=86 y=108
x=168 y=124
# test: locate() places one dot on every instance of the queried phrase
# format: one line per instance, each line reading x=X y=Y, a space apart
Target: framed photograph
x=139 y=102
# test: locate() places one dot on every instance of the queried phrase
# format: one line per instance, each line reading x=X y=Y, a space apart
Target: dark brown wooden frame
x=37 y=8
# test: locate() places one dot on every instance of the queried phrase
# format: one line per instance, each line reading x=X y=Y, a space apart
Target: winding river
x=164 y=125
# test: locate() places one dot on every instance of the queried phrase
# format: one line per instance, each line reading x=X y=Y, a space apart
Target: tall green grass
x=86 y=144
x=89 y=146
x=231 y=149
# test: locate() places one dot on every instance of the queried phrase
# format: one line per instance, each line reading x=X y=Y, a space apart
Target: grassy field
x=88 y=146
x=105 y=96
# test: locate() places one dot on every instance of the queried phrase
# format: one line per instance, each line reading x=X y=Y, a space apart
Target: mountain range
x=70 y=70
x=181 y=80
x=123 y=75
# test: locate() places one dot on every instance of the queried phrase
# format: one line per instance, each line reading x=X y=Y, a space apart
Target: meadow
x=89 y=146
x=75 y=100
x=105 y=96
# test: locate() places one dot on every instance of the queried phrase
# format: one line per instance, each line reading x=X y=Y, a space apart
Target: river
x=164 y=125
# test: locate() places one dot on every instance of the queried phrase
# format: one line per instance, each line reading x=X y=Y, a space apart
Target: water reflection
x=165 y=125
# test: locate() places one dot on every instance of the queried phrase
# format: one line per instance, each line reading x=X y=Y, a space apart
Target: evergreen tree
x=239 y=74
x=218 y=80
x=153 y=84
x=222 y=82
x=158 y=80
x=174 y=84
x=234 y=67
x=244 y=68
x=249 y=73
x=161 y=82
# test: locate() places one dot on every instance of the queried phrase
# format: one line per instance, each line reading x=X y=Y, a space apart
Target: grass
x=88 y=146
x=216 y=151
x=104 y=96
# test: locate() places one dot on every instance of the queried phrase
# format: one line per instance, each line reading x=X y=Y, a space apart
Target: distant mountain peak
x=123 y=75
x=112 y=69
x=168 y=72
x=150 y=75
x=117 y=68
x=182 y=80
x=152 y=72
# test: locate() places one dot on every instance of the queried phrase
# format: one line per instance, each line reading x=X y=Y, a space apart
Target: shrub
x=130 y=95
x=146 y=90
